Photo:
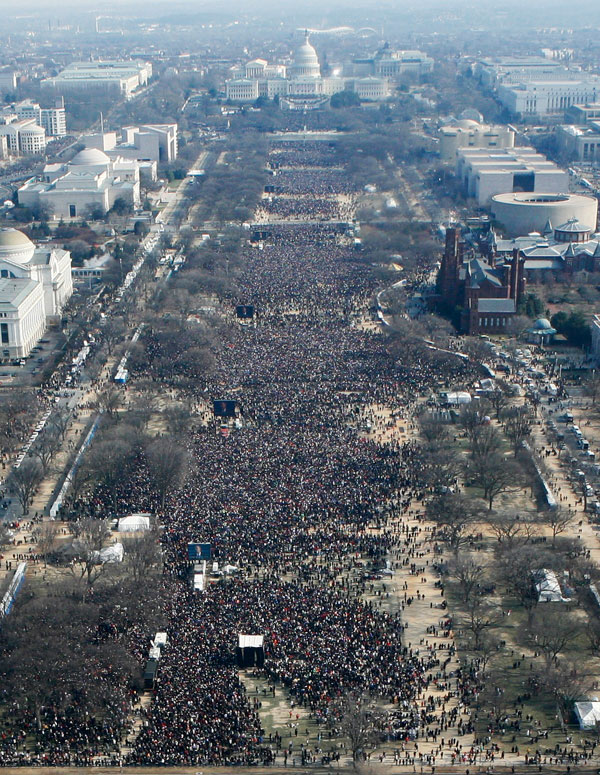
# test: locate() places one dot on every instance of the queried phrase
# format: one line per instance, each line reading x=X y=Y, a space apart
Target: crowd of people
x=289 y=498
x=297 y=496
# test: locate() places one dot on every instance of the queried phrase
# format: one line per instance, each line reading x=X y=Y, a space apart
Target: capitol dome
x=90 y=156
x=306 y=61
x=15 y=246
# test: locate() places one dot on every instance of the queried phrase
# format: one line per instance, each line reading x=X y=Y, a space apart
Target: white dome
x=15 y=246
x=306 y=61
x=90 y=156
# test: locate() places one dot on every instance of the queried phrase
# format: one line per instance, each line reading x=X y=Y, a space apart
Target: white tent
x=548 y=588
x=588 y=713
x=134 y=523
x=160 y=639
x=112 y=553
x=251 y=641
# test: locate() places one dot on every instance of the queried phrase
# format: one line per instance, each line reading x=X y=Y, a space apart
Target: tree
x=498 y=399
x=568 y=683
x=550 y=635
x=359 y=718
x=454 y=515
x=90 y=537
x=45 y=535
x=60 y=420
x=495 y=475
x=46 y=446
x=121 y=207
x=591 y=385
x=441 y=466
x=110 y=401
x=517 y=427
x=558 y=520
x=469 y=573
x=511 y=528
x=168 y=464
x=142 y=553
x=25 y=481
x=517 y=567
x=485 y=441
x=5 y=535
x=113 y=332
x=108 y=463
x=479 y=616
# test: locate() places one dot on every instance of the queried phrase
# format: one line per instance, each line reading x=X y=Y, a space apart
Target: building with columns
x=299 y=84
x=35 y=284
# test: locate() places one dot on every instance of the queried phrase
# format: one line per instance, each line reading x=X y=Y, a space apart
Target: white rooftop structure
x=90 y=180
x=251 y=641
x=485 y=172
x=588 y=714
x=548 y=588
x=134 y=523
x=123 y=77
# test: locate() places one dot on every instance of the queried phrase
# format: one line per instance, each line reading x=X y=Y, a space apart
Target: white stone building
x=548 y=97
x=90 y=179
x=35 y=284
x=150 y=142
x=390 y=63
x=24 y=137
x=300 y=83
x=468 y=133
x=109 y=75
x=485 y=172
x=52 y=120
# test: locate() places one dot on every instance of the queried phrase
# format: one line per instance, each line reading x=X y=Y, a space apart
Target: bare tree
x=90 y=538
x=485 y=441
x=142 y=553
x=5 y=535
x=591 y=385
x=517 y=427
x=498 y=398
x=495 y=475
x=550 y=635
x=479 y=616
x=360 y=718
x=46 y=446
x=60 y=420
x=454 y=515
x=25 y=481
x=168 y=463
x=469 y=573
x=517 y=567
x=45 y=535
x=511 y=528
x=110 y=401
x=441 y=466
x=558 y=520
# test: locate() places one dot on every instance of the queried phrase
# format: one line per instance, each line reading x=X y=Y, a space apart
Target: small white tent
x=134 y=523
x=112 y=553
x=588 y=714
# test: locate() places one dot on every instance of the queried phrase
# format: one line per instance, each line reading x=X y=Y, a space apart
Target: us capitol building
x=301 y=85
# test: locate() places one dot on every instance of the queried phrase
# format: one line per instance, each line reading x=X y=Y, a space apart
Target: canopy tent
x=548 y=588
x=134 y=523
x=250 y=651
x=112 y=553
x=588 y=714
